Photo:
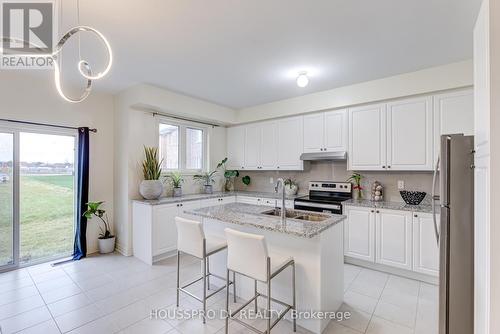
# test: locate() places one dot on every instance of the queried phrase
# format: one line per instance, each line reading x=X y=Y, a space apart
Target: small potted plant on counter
x=229 y=175
x=355 y=178
x=151 y=187
x=207 y=178
x=176 y=180
x=106 y=239
x=246 y=180
x=291 y=187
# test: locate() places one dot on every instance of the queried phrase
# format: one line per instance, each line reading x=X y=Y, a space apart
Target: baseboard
x=125 y=252
x=394 y=271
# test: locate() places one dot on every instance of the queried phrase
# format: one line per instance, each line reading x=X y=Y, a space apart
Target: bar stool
x=191 y=240
x=247 y=255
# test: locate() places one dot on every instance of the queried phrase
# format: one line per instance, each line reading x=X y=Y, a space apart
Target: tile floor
x=115 y=294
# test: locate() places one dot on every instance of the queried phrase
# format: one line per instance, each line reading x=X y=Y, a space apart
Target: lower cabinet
x=359 y=233
x=264 y=201
x=425 y=247
x=394 y=238
x=399 y=239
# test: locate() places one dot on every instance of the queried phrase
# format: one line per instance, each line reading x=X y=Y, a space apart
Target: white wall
x=29 y=97
x=434 y=79
x=135 y=128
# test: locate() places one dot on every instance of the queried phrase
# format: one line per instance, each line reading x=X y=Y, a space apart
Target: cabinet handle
x=388 y=166
x=383 y=166
x=278 y=167
x=378 y=211
x=372 y=211
x=415 y=216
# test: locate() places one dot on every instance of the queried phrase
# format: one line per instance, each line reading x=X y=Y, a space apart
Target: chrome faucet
x=276 y=188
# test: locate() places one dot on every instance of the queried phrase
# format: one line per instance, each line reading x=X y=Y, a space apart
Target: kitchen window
x=182 y=146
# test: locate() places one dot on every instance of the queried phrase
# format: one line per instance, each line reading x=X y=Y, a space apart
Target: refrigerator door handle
x=433 y=201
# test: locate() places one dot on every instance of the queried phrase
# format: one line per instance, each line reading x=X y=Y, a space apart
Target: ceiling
x=244 y=53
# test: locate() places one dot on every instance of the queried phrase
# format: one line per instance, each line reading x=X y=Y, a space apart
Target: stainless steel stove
x=325 y=196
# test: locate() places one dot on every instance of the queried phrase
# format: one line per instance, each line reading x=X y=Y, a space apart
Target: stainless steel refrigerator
x=455 y=233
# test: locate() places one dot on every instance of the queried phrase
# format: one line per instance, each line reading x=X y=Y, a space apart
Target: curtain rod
x=182 y=118
x=43 y=124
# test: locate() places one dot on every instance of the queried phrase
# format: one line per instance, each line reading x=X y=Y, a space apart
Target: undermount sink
x=295 y=215
x=311 y=218
x=277 y=212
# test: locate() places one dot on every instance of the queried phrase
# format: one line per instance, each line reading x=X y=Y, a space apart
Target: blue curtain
x=82 y=195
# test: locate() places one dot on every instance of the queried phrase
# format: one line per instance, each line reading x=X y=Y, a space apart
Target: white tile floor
x=115 y=294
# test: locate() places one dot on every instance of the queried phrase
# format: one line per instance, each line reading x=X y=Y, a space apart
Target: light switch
x=401 y=184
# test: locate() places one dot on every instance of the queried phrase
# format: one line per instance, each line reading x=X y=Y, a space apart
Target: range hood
x=338 y=156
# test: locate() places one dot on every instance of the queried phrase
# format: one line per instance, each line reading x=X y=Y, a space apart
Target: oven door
x=318 y=207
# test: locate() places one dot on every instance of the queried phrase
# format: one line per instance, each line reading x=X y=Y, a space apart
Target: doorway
x=37 y=195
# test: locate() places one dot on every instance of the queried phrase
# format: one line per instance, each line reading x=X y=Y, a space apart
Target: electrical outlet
x=271 y=180
x=401 y=184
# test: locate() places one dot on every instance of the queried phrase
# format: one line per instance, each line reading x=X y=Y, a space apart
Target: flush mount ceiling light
x=302 y=80
x=84 y=67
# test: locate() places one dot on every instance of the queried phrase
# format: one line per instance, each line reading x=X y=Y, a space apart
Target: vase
x=106 y=245
x=177 y=192
x=291 y=189
x=229 y=184
x=208 y=189
x=151 y=189
x=357 y=194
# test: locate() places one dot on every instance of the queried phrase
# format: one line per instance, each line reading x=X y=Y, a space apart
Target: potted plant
x=176 y=180
x=151 y=187
x=291 y=187
x=106 y=239
x=246 y=180
x=358 y=190
x=229 y=175
x=207 y=178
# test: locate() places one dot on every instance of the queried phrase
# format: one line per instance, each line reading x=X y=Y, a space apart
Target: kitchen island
x=314 y=240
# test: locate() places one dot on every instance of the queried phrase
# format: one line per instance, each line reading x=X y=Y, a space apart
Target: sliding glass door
x=37 y=195
x=7 y=200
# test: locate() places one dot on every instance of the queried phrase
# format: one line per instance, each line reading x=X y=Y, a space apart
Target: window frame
x=182 y=147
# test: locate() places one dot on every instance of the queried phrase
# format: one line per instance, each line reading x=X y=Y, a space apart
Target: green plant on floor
x=207 y=178
x=176 y=179
x=94 y=210
x=355 y=178
x=151 y=166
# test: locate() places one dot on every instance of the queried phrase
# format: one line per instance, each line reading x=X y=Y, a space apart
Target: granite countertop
x=218 y=194
x=422 y=207
x=251 y=215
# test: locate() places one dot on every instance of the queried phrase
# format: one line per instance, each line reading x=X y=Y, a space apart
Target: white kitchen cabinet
x=409 y=134
x=335 y=131
x=217 y=201
x=268 y=145
x=367 y=138
x=359 y=233
x=325 y=132
x=290 y=141
x=394 y=238
x=453 y=113
x=425 y=247
x=235 y=147
x=248 y=200
x=252 y=146
x=264 y=201
x=154 y=233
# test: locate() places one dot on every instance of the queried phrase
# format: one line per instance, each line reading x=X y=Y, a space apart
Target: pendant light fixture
x=84 y=67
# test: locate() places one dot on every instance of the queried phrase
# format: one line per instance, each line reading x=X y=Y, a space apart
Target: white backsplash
x=337 y=171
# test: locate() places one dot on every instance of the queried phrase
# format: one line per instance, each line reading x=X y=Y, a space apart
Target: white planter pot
x=291 y=190
x=151 y=189
x=177 y=192
x=208 y=189
x=106 y=245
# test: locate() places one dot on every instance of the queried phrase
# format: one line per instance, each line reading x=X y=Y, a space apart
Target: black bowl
x=413 y=197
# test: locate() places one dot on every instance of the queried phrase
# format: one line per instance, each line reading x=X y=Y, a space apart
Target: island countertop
x=251 y=215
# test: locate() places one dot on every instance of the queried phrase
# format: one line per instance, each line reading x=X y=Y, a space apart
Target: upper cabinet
x=367 y=138
x=392 y=136
x=290 y=139
x=252 y=146
x=409 y=134
x=325 y=132
x=453 y=113
x=268 y=145
x=236 y=147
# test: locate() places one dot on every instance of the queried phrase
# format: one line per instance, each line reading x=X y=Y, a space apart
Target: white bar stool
x=191 y=240
x=247 y=255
